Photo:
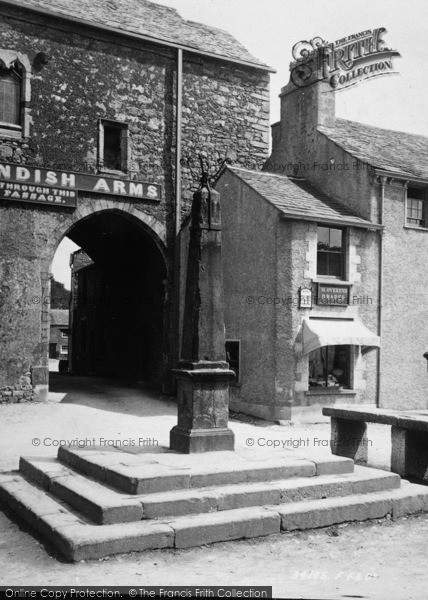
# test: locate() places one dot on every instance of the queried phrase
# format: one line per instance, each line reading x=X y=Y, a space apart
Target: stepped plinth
x=94 y=503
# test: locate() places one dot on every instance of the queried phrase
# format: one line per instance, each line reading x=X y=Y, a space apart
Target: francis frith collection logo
x=344 y=62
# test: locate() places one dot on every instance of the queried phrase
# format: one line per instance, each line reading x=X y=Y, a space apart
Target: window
x=233 y=357
x=10 y=96
x=113 y=145
x=416 y=207
x=331 y=252
x=64 y=349
x=330 y=367
x=15 y=94
x=64 y=334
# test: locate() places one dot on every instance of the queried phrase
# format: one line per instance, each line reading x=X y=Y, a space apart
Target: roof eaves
x=138 y=36
x=361 y=224
x=401 y=175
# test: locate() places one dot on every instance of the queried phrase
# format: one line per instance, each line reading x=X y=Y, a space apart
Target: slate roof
x=298 y=199
x=59 y=317
x=394 y=151
x=141 y=17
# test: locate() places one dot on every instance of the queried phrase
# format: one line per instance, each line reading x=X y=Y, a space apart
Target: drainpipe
x=179 y=92
x=177 y=214
x=379 y=354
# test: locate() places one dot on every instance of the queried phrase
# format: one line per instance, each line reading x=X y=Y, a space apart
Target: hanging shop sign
x=46 y=186
x=305 y=297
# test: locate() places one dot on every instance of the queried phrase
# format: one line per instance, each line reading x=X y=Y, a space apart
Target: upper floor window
x=331 y=252
x=416 y=207
x=113 y=145
x=10 y=96
x=15 y=78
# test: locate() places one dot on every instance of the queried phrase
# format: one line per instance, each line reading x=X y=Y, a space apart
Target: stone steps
x=76 y=538
x=96 y=501
x=155 y=473
x=106 y=506
x=91 y=504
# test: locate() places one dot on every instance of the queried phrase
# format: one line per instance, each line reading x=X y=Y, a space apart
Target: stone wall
x=22 y=391
x=249 y=256
x=87 y=75
x=405 y=312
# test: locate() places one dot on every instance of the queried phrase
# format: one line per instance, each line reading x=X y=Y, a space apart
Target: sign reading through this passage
x=21 y=192
x=333 y=295
x=13 y=179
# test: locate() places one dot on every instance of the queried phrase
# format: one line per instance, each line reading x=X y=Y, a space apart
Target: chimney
x=307 y=102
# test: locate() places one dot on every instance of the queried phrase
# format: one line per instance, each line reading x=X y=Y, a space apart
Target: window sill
x=329 y=392
x=331 y=280
x=116 y=172
x=11 y=132
x=415 y=228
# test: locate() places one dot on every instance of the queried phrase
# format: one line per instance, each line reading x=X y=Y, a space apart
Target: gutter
x=402 y=176
x=134 y=35
x=331 y=221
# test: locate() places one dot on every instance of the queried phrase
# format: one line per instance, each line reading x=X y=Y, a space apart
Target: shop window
x=15 y=78
x=233 y=357
x=113 y=145
x=416 y=207
x=331 y=252
x=330 y=367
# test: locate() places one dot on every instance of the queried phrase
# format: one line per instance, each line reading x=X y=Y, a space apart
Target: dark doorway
x=117 y=305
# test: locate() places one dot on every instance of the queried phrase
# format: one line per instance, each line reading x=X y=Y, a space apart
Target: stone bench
x=409 y=437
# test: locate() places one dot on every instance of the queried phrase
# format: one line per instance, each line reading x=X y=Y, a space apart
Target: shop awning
x=336 y=332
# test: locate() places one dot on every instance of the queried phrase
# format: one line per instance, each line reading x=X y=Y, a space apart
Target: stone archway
x=30 y=238
x=124 y=333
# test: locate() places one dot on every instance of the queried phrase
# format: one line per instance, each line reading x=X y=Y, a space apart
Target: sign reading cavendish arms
x=23 y=183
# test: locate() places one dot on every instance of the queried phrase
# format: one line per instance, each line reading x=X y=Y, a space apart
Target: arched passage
x=118 y=298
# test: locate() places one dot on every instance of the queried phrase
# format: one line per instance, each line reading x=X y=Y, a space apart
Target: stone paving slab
x=81 y=542
x=28 y=501
x=322 y=513
x=196 y=530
